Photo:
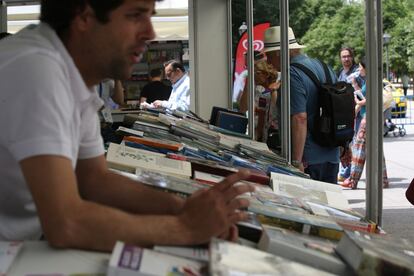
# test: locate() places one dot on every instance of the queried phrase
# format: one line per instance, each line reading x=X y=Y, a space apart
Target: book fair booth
x=297 y=226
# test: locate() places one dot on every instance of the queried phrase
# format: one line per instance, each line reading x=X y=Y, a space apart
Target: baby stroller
x=389 y=126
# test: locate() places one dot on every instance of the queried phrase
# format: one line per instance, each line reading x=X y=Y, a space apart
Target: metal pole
x=374 y=151
x=3 y=16
x=229 y=55
x=387 y=65
x=285 y=94
x=250 y=67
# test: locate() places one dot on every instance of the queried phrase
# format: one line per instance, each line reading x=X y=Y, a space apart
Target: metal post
x=387 y=63
x=374 y=150
x=229 y=54
x=285 y=97
x=3 y=16
x=250 y=67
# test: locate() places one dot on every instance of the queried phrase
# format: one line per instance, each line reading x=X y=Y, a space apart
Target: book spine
x=154 y=143
x=357 y=226
x=328 y=233
x=145 y=147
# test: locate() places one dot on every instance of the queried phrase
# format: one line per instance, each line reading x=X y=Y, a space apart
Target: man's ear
x=85 y=18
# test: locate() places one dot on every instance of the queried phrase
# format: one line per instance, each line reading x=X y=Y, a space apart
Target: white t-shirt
x=45 y=108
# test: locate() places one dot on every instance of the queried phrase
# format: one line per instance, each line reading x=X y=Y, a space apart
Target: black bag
x=334 y=125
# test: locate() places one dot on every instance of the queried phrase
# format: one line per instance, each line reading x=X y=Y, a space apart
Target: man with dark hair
x=349 y=73
x=54 y=177
x=180 y=94
x=349 y=67
x=155 y=89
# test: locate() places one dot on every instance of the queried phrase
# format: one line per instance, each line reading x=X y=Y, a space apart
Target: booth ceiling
x=170 y=22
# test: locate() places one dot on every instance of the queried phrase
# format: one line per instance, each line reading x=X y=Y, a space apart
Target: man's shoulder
x=32 y=41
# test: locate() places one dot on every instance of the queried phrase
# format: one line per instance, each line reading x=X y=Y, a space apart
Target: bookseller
x=54 y=177
x=180 y=94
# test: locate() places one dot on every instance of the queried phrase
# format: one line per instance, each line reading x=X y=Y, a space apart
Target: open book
x=309 y=190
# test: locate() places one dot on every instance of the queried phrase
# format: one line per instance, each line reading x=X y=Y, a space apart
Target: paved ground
x=398 y=213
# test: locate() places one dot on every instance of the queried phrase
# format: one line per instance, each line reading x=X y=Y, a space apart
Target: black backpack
x=334 y=124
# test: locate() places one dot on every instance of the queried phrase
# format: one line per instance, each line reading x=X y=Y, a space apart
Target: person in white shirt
x=180 y=94
x=54 y=179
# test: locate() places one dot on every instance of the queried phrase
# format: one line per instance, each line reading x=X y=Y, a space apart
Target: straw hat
x=272 y=39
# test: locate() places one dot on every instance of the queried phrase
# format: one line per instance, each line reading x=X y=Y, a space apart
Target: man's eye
x=134 y=15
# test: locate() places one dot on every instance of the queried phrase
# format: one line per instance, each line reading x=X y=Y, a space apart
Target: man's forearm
x=109 y=188
x=94 y=226
x=299 y=130
x=131 y=196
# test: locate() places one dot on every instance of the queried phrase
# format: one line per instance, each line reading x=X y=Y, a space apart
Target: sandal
x=349 y=183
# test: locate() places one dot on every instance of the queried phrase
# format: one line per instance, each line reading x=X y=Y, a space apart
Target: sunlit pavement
x=398 y=213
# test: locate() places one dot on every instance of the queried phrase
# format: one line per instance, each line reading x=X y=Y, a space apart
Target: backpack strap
x=327 y=73
x=307 y=72
x=312 y=75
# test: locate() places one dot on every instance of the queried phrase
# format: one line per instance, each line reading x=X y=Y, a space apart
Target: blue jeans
x=326 y=172
x=344 y=172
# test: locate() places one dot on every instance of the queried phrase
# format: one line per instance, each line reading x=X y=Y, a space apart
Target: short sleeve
x=297 y=93
x=36 y=107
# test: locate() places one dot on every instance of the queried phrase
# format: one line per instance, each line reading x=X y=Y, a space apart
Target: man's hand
x=214 y=212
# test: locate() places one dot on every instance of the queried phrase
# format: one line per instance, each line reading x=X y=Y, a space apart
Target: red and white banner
x=240 y=72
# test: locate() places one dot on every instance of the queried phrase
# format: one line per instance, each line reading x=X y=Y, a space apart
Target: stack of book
x=290 y=215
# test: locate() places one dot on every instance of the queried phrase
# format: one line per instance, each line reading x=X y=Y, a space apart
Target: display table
x=38 y=258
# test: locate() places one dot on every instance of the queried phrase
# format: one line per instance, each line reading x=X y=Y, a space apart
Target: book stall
x=296 y=226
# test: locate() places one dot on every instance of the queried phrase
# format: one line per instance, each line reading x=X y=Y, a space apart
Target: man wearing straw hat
x=321 y=163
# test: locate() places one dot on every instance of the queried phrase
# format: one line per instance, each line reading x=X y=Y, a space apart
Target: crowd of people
x=338 y=165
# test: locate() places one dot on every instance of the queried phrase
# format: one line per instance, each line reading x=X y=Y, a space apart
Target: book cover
x=299 y=221
x=129 y=260
x=309 y=190
x=128 y=159
x=373 y=254
x=231 y=121
x=228 y=258
x=8 y=253
x=309 y=250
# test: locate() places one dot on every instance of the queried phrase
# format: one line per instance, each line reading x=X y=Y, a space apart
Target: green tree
x=329 y=33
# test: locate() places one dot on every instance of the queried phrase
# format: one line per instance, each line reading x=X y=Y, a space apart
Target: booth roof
x=169 y=23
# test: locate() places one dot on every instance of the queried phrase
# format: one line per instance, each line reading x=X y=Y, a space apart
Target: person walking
x=359 y=141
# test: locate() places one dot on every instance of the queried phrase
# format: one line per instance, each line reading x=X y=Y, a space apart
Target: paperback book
x=373 y=254
x=309 y=190
x=126 y=158
x=128 y=260
x=309 y=250
x=228 y=258
x=8 y=253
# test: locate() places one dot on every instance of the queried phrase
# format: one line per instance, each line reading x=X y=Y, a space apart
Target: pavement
x=398 y=213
